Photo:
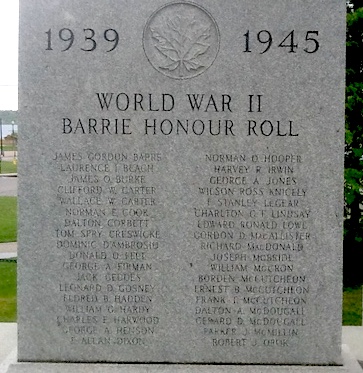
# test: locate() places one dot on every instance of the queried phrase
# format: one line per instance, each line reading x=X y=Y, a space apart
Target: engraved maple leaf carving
x=182 y=41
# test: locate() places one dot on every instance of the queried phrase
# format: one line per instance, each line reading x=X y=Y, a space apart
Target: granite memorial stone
x=181 y=169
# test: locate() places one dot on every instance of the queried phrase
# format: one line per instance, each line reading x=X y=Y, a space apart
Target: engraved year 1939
x=87 y=39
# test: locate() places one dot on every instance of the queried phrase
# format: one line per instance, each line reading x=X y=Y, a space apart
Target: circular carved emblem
x=181 y=40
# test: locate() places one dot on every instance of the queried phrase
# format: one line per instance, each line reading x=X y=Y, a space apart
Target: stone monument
x=181 y=168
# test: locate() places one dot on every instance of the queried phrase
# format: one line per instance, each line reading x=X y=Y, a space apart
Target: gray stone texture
x=350 y=366
x=154 y=232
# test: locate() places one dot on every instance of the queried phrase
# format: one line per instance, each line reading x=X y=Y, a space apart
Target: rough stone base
x=350 y=366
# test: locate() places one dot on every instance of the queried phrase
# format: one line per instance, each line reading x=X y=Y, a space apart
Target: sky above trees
x=9 y=26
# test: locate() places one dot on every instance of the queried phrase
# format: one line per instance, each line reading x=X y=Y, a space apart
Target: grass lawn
x=7 y=148
x=352 y=306
x=8 y=167
x=7 y=290
x=8 y=223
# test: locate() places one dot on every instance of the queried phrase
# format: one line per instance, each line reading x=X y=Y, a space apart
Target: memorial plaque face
x=181 y=181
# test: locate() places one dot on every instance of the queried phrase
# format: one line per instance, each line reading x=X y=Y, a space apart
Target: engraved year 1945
x=290 y=42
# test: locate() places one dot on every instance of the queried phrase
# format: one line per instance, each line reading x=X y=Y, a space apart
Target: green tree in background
x=8 y=116
x=353 y=226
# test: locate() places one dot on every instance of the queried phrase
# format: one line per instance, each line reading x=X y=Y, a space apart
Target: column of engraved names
x=225 y=200
x=275 y=292
x=109 y=237
x=252 y=234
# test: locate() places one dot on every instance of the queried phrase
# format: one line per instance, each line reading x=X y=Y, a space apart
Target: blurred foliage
x=8 y=116
x=352 y=306
x=353 y=189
